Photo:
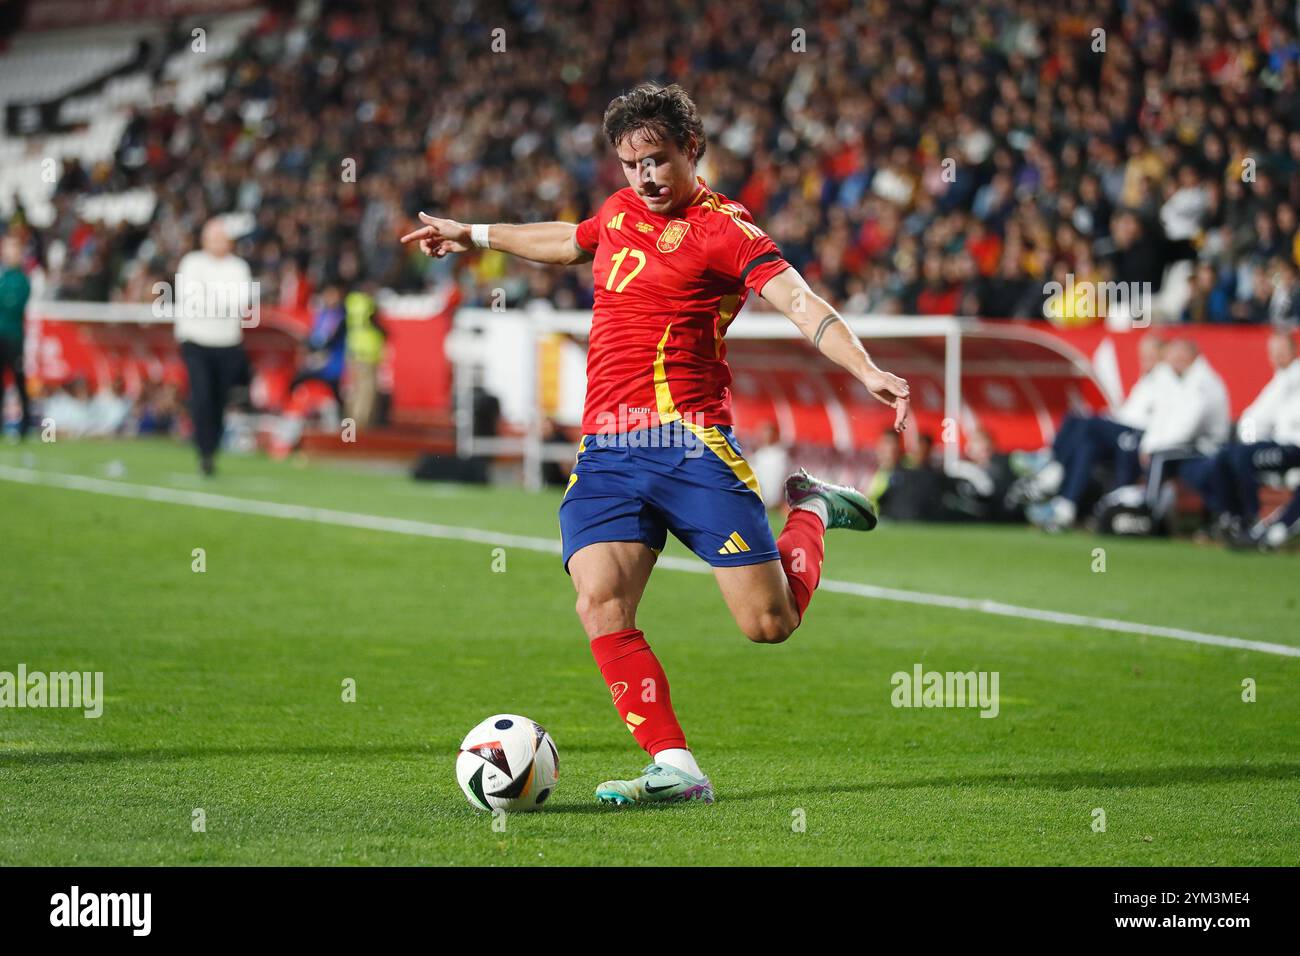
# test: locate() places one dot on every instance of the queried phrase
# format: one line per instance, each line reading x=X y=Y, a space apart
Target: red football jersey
x=666 y=288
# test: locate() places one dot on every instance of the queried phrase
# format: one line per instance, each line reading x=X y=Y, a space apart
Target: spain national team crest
x=673 y=235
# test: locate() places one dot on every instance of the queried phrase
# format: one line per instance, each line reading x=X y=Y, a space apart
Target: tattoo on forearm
x=821 y=329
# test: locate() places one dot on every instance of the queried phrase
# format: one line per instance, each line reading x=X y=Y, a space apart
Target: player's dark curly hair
x=665 y=112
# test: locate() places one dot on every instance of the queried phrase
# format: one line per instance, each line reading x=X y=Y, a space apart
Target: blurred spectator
x=980 y=482
x=923 y=455
x=1269 y=433
x=771 y=463
x=15 y=290
x=1211 y=297
x=1061 y=482
x=326 y=343
x=68 y=407
x=109 y=410
x=365 y=350
x=889 y=449
x=1194 y=412
x=916 y=487
x=1188 y=418
x=156 y=410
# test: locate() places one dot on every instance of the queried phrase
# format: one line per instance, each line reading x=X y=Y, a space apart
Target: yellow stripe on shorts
x=722 y=448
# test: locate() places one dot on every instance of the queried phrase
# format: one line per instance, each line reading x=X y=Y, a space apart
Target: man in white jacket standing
x=1269 y=432
x=214 y=298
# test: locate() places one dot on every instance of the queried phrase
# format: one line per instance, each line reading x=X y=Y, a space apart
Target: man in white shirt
x=1083 y=442
x=1269 y=432
x=214 y=297
x=1191 y=421
x=1194 y=411
x=1139 y=409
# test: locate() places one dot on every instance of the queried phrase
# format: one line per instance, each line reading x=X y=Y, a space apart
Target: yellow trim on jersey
x=663 y=397
x=710 y=436
x=726 y=312
x=722 y=448
x=730 y=209
x=709 y=200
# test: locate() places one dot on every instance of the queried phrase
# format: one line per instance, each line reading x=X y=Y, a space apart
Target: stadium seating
x=80 y=73
x=1004 y=147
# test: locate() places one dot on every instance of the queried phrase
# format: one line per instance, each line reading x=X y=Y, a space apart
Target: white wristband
x=478 y=234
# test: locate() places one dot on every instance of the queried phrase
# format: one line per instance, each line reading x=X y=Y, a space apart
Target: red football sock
x=803 y=546
x=639 y=689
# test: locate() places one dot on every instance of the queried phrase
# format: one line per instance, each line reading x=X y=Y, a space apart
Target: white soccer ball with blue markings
x=509 y=763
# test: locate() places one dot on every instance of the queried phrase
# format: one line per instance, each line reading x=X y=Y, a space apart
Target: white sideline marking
x=425 y=529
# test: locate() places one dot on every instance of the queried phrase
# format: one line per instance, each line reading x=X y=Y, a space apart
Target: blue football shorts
x=684 y=478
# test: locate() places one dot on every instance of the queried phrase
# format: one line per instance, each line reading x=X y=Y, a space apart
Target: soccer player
x=673 y=262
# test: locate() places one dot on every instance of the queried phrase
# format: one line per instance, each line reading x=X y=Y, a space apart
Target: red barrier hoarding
x=1018 y=378
x=416 y=372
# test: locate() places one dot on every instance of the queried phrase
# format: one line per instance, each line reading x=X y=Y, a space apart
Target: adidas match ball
x=507 y=762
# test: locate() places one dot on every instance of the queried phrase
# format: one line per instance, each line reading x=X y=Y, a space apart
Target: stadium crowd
x=908 y=157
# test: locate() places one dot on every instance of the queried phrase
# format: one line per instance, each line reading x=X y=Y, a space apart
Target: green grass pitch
x=223 y=689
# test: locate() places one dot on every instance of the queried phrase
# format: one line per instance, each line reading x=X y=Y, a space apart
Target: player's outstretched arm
x=824 y=328
x=549 y=242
